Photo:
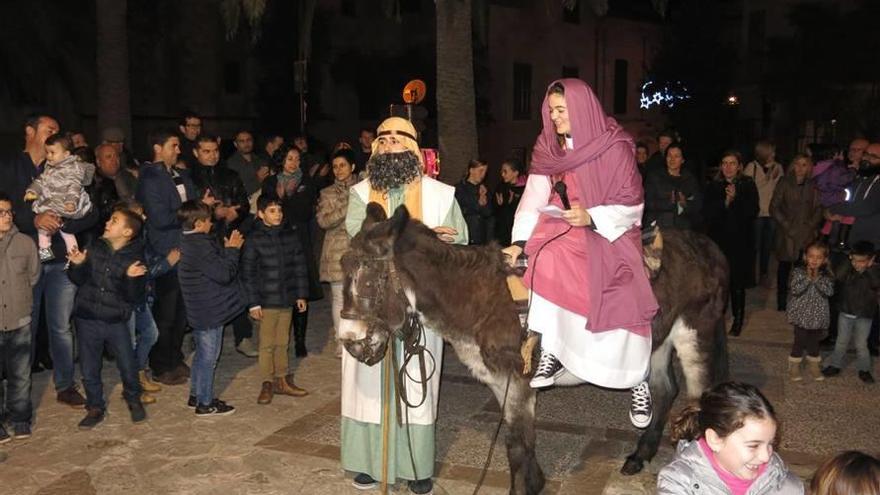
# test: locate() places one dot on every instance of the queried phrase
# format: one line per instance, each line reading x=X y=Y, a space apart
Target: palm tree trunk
x=114 y=101
x=456 y=108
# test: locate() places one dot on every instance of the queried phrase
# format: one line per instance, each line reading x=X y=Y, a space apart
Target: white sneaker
x=246 y=347
x=549 y=369
x=641 y=410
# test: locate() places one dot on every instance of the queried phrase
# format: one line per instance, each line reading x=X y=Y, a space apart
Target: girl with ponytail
x=725 y=447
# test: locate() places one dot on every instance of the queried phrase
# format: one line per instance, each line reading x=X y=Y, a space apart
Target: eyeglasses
x=5 y=213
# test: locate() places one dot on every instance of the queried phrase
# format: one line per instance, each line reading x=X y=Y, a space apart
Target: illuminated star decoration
x=663 y=94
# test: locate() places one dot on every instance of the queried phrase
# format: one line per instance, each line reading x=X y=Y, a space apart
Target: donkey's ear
x=399 y=220
x=375 y=214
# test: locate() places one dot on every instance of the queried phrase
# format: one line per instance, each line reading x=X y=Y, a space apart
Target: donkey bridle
x=411 y=334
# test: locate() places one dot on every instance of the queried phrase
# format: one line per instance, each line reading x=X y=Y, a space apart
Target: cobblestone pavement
x=292 y=445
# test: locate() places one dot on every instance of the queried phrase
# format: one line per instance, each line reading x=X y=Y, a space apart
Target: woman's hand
x=301 y=305
x=577 y=216
x=511 y=253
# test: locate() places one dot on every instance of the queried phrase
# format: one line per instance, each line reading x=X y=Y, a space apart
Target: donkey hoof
x=633 y=465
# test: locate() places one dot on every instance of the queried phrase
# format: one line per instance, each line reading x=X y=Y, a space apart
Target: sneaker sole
x=21 y=437
x=215 y=414
x=548 y=381
x=638 y=423
x=5 y=440
x=365 y=487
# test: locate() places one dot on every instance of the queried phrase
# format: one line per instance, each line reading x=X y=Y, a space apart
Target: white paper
x=551 y=211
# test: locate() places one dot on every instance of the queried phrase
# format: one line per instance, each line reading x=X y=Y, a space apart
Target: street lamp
x=732 y=100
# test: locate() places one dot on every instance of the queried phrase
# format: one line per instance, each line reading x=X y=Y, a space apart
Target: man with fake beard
x=394 y=178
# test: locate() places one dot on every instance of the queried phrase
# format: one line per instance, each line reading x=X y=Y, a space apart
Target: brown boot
x=285 y=386
x=265 y=393
x=146 y=398
x=147 y=384
x=794 y=368
x=813 y=366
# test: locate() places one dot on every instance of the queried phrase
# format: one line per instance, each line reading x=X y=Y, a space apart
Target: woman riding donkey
x=591 y=299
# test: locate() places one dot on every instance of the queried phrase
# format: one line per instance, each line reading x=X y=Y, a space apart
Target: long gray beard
x=390 y=170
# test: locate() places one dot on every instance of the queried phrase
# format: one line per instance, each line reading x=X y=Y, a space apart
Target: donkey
x=397 y=267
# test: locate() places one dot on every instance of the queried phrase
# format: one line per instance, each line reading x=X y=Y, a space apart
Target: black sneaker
x=192 y=403
x=866 y=376
x=217 y=408
x=831 y=371
x=4 y=437
x=364 y=481
x=93 y=417
x=138 y=413
x=20 y=431
x=421 y=487
x=549 y=369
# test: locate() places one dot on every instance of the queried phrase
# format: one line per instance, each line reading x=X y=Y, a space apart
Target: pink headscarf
x=602 y=154
x=604 y=168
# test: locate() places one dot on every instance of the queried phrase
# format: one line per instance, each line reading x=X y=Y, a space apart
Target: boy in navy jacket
x=208 y=275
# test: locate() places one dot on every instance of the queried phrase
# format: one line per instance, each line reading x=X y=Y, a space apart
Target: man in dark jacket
x=245 y=162
x=110 y=274
x=190 y=126
x=112 y=183
x=210 y=287
x=162 y=188
x=231 y=211
x=863 y=203
x=20 y=171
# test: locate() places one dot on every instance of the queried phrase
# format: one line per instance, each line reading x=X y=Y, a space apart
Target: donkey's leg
x=526 y=476
x=664 y=389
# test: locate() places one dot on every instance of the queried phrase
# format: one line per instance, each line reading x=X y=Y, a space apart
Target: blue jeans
x=92 y=335
x=59 y=293
x=15 y=363
x=208 y=341
x=765 y=232
x=144 y=333
x=851 y=327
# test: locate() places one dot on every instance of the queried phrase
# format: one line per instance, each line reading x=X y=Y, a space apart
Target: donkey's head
x=374 y=303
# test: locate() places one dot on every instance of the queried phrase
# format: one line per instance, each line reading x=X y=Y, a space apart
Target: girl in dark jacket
x=297 y=195
x=730 y=212
x=673 y=197
x=507 y=196
x=276 y=280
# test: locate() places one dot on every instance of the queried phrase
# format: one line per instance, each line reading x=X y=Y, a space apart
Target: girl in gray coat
x=725 y=447
x=808 y=309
